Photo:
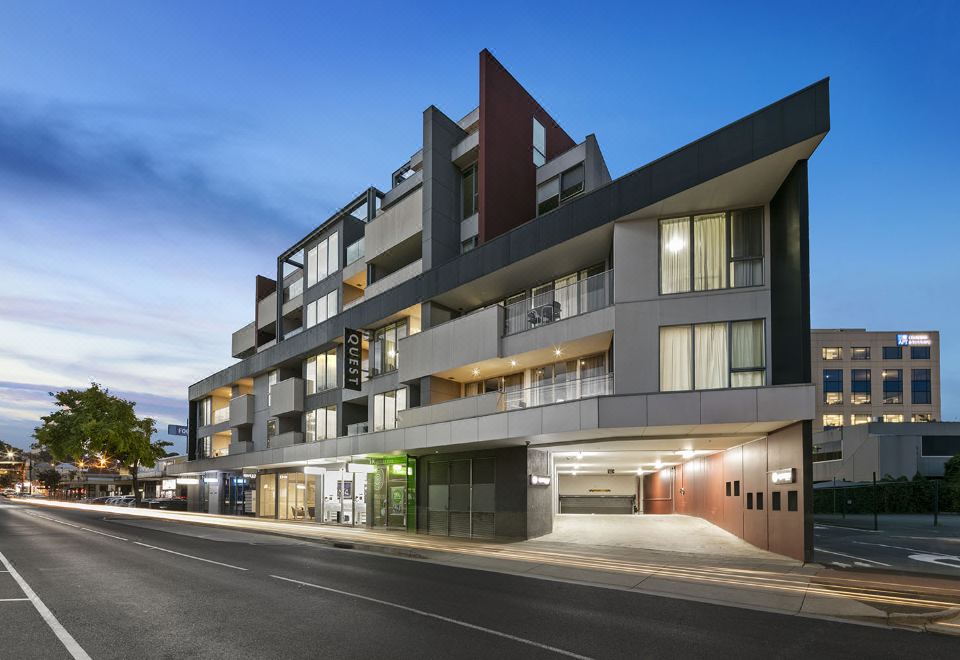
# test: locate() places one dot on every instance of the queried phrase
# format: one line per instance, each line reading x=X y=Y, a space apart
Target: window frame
x=854 y=392
x=884 y=381
x=897 y=349
x=730 y=369
x=824 y=356
x=473 y=170
x=826 y=391
x=917 y=352
x=928 y=390
x=864 y=356
x=535 y=148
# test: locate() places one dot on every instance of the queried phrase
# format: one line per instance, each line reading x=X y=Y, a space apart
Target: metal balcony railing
x=587 y=295
x=542 y=395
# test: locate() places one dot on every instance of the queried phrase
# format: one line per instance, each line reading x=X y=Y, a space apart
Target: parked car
x=9 y=492
x=120 y=500
x=101 y=500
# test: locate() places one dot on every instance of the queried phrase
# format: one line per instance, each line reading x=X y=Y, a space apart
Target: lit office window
x=322 y=372
x=921 y=417
x=323 y=259
x=832 y=386
x=539 y=143
x=709 y=252
x=746 y=247
x=831 y=353
x=858 y=418
x=892 y=352
x=321 y=424
x=893 y=419
x=920 y=389
x=710 y=348
x=860 y=386
x=385 y=408
x=385 y=345
x=748 y=356
x=860 y=353
x=470 y=201
x=892 y=385
x=832 y=421
x=676 y=358
x=919 y=352
x=675 y=255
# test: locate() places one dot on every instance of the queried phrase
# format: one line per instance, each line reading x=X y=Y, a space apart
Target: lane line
x=173 y=552
x=840 y=554
x=75 y=650
x=446 y=619
x=87 y=529
x=900 y=547
x=12 y=600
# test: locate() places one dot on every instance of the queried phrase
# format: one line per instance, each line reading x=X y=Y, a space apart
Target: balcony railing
x=295 y=289
x=355 y=251
x=358 y=429
x=542 y=395
x=221 y=415
x=587 y=295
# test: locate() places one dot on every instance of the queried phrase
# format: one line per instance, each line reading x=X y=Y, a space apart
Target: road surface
x=101 y=585
x=901 y=544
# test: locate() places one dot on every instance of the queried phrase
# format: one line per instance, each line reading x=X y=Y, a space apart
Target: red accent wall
x=658 y=492
x=506 y=173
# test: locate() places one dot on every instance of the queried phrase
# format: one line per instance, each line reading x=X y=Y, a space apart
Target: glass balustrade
x=558 y=303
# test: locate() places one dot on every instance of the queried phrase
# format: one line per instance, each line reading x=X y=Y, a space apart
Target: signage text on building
x=785 y=476
x=352 y=359
x=913 y=340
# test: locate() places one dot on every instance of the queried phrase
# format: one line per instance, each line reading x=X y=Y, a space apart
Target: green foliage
x=8 y=478
x=951 y=470
x=50 y=478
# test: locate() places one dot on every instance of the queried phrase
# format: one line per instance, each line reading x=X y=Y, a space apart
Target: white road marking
x=87 y=529
x=431 y=615
x=62 y=522
x=12 y=600
x=840 y=554
x=75 y=650
x=840 y=564
x=173 y=552
x=900 y=547
x=949 y=561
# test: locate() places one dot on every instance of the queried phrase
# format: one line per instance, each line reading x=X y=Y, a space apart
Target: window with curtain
x=675 y=255
x=746 y=247
x=205 y=412
x=321 y=424
x=322 y=372
x=709 y=252
x=385 y=408
x=676 y=347
x=385 y=346
x=711 y=361
x=548 y=195
x=748 y=354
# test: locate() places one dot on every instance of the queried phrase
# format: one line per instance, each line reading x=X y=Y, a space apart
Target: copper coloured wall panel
x=733 y=503
x=755 y=493
x=658 y=491
x=787 y=530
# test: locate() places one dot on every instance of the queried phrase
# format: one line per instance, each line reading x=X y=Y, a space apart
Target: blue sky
x=155 y=157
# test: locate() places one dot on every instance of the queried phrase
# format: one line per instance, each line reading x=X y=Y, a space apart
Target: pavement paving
x=121 y=588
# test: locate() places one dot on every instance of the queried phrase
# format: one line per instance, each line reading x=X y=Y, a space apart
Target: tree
x=951 y=470
x=93 y=421
x=50 y=478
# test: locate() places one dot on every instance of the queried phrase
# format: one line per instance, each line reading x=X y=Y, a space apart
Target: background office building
x=866 y=376
x=451 y=354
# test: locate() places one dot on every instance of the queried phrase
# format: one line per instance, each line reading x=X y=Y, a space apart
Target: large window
x=860 y=386
x=323 y=259
x=832 y=421
x=711 y=251
x=860 y=353
x=385 y=408
x=385 y=347
x=321 y=424
x=896 y=418
x=539 y=143
x=470 y=201
x=939 y=445
x=322 y=309
x=920 y=390
x=205 y=412
x=921 y=417
x=859 y=418
x=893 y=386
x=892 y=352
x=555 y=191
x=272 y=378
x=322 y=372
x=919 y=352
x=831 y=353
x=832 y=386
x=204 y=447
x=712 y=356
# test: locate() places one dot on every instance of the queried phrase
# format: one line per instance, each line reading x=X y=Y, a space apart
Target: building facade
x=867 y=376
x=438 y=356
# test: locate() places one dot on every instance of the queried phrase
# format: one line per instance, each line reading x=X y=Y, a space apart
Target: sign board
x=785 y=476
x=187 y=481
x=314 y=470
x=175 y=429
x=539 y=480
x=913 y=340
x=168 y=484
x=611 y=471
x=352 y=359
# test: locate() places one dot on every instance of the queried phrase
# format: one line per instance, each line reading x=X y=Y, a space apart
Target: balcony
x=241 y=447
x=241 y=411
x=355 y=252
x=267 y=311
x=464 y=340
x=287 y=439
x=403 y=274
x=244 y=341
x=587 y=295
x=358 y=429
x=286 y=398
x=221 y=415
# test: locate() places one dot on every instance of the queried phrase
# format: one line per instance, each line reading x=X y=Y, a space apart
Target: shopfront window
x=267 y=496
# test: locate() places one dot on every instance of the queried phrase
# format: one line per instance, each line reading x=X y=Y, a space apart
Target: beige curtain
x=710 y=356
x=674 y=255
x=709 y=252
x=675 y=356
x=748 y=353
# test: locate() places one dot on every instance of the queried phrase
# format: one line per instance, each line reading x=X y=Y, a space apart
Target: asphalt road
x=904 y=543
x=126 y=588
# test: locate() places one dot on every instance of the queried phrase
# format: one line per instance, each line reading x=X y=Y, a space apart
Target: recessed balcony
x=286 y=398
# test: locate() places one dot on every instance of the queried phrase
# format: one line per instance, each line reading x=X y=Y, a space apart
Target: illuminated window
x=712 y=356
x=892 y=352
x=832 y=421
x=859 y=418
x=920 y=390
x=832 y=386
x=675 y=255
x=921 y=417
x=892 y=385
x=832 y=353
x=322 y=372
x=896 y=419
x=860 y=386
x=860 y=353
x=385 y=346
x=321 y=424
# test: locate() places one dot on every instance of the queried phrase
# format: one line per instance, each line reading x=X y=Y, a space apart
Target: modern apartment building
x=449 y=355
x=873 y=376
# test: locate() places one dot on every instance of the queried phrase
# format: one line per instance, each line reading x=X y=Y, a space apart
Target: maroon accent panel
x=658 y=492
x=506 y=173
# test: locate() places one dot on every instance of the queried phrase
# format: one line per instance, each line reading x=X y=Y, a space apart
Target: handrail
x=581 y=297
x=542 y=395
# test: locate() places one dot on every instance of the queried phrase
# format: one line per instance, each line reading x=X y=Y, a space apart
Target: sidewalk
x=768 y=582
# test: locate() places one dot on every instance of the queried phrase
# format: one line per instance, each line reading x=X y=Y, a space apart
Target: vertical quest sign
x=352 y=359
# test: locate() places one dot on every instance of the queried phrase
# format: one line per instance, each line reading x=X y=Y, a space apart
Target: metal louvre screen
x=462 y=498
x=438 y=479
x=482 y=500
